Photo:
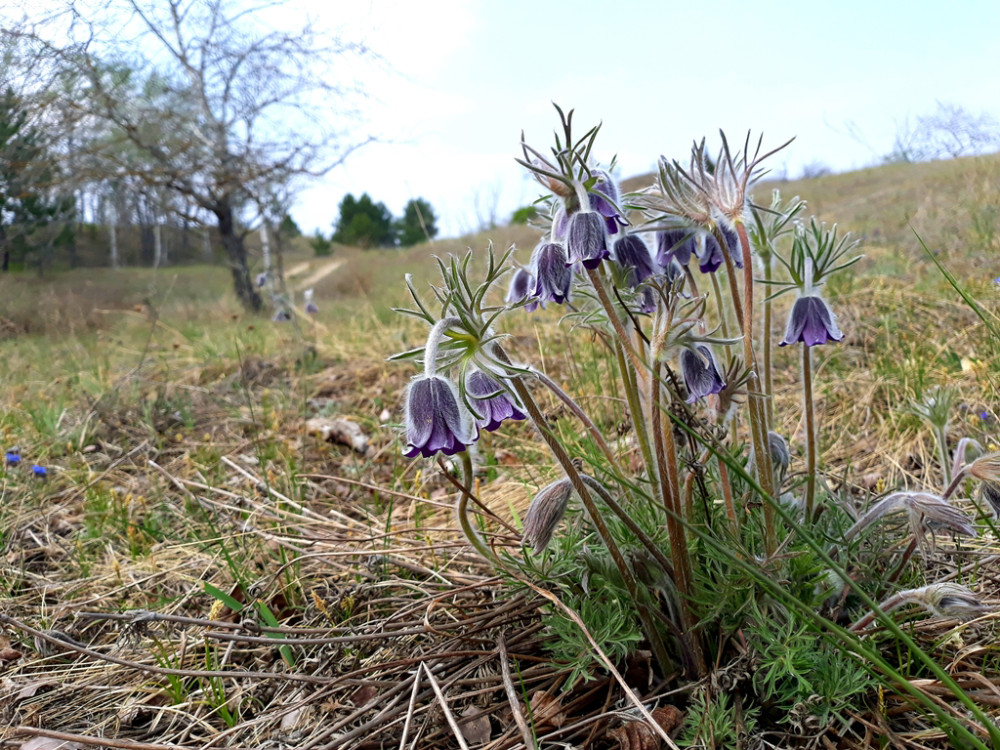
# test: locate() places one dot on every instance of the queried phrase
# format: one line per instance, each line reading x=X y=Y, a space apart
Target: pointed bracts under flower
x=553 y=276
x=521 y=287
x=545 y=513
x=586 y=239
x=700 y=372
x=435 y=421
x=812 y=322
x=632 y=253
x=490 y=401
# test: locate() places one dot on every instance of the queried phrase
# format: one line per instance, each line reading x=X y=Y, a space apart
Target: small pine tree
x=364 y=223
x=418 y=223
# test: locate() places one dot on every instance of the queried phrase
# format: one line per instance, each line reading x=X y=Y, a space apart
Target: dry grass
x=173 y=427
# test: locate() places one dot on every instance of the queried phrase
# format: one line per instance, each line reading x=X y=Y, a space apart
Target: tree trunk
x=112 y=226
x=6 y=250
x=236 y=254
x=157 y=246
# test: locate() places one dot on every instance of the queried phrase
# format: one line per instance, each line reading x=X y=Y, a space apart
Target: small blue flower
x=40 y=472
x=700 y=372
x=434 y=419
x=520 y=289
x=261 y=280
x=811 y=322
x=997 y=281
x=674 y=245
x=587 y=239
x=632 y=253
x=13 y=458
x=490 y=400
x=553 y=276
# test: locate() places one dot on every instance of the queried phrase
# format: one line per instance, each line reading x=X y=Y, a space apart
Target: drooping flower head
x=261 y=280
x=701 y=373
x=632 y=254
x=603 y=197
x=489 y=399
x=710 y=252
x=521 y=288
x=674 y=245
x=812 y=322
x=435 y=420
x=553 y=277
x=310 y=305
x=281 y=316
x=586 y=239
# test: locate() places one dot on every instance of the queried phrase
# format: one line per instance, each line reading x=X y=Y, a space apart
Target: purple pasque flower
x=553 y=276
x=310 y=307
x=261 y=280
x=490 y=400
x=586 y=239
x=710 y=252
x=674 y=244
x=435 y=421
x=521 y=288
x=632 y=253
x=811 y=322
x=603 y=200
x=700 y=371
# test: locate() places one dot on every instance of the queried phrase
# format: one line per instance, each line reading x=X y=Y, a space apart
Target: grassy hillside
x=188 y=478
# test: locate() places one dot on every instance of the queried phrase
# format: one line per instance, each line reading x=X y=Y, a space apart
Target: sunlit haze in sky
x=461 y=79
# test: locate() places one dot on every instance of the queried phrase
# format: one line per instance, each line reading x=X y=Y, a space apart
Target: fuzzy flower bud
x=521 y=284
x=674 y=245
x=545 y=513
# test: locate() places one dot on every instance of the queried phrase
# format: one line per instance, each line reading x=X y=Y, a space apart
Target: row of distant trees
x=366 y=224
x=173 y=118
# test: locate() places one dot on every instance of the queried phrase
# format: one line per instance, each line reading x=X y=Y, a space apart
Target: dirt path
x=316 y=276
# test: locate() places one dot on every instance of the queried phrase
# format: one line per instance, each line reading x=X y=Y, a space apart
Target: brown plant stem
x=669 y=485
x=655 y=641
x=807 y=405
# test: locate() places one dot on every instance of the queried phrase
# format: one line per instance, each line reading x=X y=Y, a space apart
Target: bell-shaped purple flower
x=602 y=201
x=732 y=244
x=710 y=252
x=586 y=239
x=646 y=300
x=811 y=322
x=632 y=254
x=261 y=280
x=700 y=372
x=553 y=276
x=434 y=419
x=490 y=401
x=674 y=244
x=521 y=287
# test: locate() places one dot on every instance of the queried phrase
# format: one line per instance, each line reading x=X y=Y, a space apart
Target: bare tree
x=952 y=131
x=205 y=98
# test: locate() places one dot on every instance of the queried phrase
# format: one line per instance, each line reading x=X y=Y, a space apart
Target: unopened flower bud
x=632 y=253
x=778 y=448
x=553 y=276
x=545 y=513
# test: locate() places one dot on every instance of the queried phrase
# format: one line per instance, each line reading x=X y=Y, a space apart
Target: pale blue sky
x=470 y=75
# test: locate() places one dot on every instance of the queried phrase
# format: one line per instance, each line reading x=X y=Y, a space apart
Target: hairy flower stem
x=756 y=399
x=807 y=404
x=648 y=625
x=727 y=495
x=723 y=317
x=669 y=485
x=462 y=511
x=942 y=441
x=959 y=476
x=433 y=341
x=582 y=416
x=766 y=344
x=634 y=405
x=905 y=558
x=616 y=322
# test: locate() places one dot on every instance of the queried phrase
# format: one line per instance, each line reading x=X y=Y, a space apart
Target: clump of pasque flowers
x=463 y=388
